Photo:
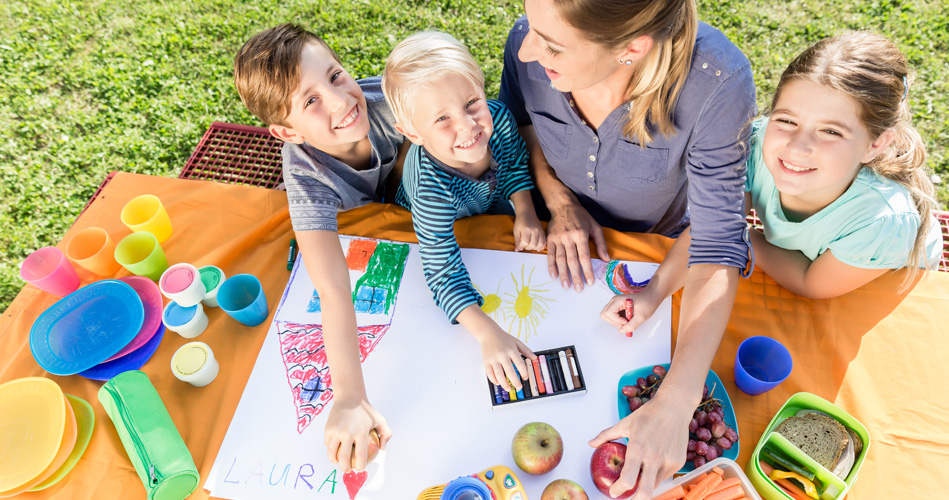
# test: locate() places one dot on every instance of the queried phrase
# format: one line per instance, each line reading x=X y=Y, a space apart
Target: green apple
x=537 y=448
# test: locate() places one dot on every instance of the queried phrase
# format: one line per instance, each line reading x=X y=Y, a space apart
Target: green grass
x=89 y=87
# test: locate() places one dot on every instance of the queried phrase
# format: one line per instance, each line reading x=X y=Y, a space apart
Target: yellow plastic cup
x=141 y=254
x=146 y=213
x=93 y=249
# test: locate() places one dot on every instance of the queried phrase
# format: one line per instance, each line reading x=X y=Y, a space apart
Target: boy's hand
x=349 y=424
x=501 y=353
x=529 y=233
x=645 y=304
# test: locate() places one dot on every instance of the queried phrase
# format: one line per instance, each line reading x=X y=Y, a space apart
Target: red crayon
x=629 y=313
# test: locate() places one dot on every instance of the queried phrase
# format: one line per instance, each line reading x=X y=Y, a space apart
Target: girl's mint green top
x=872 y=225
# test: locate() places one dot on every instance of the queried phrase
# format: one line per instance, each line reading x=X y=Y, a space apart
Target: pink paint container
x=182 y=284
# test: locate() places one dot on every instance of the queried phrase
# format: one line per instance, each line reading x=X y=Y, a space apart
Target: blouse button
x=591 y=188
x=718 y=73
x=571 y=103
x=590 y=174
x=596 y=139
x=704 y=65
x=592 y=158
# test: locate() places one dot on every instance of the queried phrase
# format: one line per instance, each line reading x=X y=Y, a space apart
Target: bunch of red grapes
x=709 y=435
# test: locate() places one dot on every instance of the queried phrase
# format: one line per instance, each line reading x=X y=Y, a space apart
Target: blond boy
x=466 y=159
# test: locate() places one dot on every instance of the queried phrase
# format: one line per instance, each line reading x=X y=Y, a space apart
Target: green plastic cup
x=141 y=254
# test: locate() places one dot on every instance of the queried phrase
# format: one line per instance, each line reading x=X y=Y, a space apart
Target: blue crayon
x=498 y=399
x=520 y=392
x=505 y=395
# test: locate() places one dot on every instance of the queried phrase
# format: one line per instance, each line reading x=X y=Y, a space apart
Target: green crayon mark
x=383 y=272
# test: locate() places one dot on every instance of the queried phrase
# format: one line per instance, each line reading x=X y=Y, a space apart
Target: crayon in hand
x=629 y=313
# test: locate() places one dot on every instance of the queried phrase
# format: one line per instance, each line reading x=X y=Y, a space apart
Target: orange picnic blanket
x=876 y=353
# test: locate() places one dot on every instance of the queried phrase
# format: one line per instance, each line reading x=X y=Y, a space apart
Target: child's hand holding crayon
x=628 y=311
x=500 y=351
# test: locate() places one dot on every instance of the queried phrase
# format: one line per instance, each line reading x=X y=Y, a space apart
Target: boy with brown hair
x=340 y=149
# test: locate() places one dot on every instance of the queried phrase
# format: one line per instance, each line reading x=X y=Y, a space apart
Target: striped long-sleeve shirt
x=438 y=195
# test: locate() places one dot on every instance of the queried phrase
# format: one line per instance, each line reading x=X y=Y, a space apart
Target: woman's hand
x=658 y=434
x=568 y=245
x=349 y=424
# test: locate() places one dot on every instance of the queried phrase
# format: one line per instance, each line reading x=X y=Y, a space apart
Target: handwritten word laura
x=280 y=475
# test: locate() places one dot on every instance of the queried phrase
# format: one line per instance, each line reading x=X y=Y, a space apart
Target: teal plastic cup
x=243 y=299
x=141 y=254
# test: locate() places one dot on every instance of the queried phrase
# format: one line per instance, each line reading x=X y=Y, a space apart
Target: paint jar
x=93 y=249
x=141 y=254
x=212 y=277
x=189 y=322
x=195 y=364
x=146 y=213
x=182 y=283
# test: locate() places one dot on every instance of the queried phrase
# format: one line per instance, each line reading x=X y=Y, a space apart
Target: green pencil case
x=151 y=440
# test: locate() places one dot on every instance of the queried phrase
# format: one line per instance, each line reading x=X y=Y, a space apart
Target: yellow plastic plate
x=32 y=424
x=85 y=421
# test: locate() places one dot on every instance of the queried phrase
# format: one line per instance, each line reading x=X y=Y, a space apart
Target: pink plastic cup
x=49 y=270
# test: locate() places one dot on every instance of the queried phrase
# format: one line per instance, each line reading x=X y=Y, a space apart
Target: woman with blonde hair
x=635 y=116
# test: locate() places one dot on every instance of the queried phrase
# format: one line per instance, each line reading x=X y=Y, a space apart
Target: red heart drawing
x=354 y=481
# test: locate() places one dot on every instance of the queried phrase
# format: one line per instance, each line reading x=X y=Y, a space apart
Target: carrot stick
x=727 y=483
x=704 y=487
x=718 y=471
x=673 y=494
x=728 y=493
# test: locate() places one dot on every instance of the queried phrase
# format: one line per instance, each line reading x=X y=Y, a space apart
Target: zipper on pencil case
x=154 y=474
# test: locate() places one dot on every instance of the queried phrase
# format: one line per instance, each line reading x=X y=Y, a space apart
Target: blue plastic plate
x=86 y=327
x=131 y=361
x=712 y=380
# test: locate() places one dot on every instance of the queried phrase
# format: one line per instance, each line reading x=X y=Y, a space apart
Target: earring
x=626 y=62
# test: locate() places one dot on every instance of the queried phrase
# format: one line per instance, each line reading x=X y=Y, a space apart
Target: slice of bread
x=857 y=442
x=820 y=437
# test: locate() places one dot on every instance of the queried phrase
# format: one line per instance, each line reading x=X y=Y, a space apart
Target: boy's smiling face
x=328 y=110
x=452 y=121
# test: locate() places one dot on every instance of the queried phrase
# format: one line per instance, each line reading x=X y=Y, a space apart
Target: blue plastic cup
x=761 y=364
x=243 y=299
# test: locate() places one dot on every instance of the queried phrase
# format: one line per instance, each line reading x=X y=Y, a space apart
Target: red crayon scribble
x=304 y=357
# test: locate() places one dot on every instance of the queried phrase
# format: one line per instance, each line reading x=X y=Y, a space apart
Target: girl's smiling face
x=815 y=144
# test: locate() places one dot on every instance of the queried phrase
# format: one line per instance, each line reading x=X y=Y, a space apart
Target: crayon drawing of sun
x=492 y=304
x=526 y=306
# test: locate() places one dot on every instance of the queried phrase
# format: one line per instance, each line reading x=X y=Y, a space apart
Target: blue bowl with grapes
x=717 y=398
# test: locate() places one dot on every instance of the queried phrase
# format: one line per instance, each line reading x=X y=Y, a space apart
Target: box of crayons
x=555 y=373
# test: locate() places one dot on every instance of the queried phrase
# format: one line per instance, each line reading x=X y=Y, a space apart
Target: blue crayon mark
x=311 y=389
x=314 y=305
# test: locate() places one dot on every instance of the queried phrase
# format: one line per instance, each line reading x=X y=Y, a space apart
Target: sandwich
x=824 y=439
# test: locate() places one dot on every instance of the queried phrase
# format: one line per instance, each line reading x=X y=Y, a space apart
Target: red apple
x=563 y=489
x=606 y=465
x=537 y=448
x=375 y=443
